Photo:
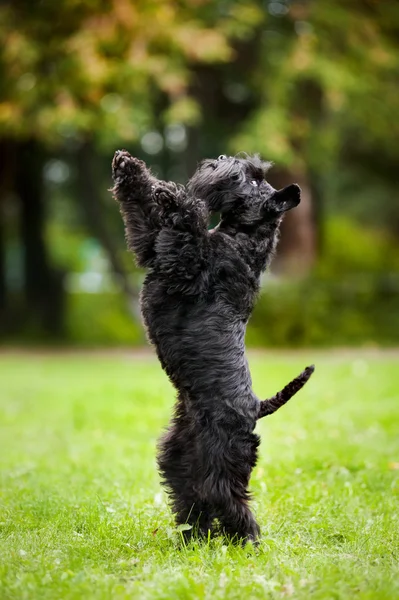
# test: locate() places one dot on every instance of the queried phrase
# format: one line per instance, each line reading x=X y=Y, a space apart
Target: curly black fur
x=196 y=301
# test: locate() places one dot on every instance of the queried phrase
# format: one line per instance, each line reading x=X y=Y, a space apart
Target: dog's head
x=236 y=187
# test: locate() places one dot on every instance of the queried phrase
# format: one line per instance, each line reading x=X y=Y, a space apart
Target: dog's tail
x=269 y=406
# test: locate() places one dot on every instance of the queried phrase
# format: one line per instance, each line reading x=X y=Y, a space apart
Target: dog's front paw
x=125 y=167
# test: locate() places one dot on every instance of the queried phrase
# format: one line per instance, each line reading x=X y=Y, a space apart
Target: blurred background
x=309 y=84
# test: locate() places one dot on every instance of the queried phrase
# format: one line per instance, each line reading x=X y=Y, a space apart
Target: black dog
x=198 y=295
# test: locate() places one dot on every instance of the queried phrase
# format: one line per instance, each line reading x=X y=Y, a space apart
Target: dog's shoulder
x=181 y=260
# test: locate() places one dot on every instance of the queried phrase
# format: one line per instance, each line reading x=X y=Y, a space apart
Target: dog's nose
x=288 y=197
x=294 y=191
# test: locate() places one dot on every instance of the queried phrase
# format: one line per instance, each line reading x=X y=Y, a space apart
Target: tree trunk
x=4 y=185
x=297 y=249
x=43 y=286
x=3 y=297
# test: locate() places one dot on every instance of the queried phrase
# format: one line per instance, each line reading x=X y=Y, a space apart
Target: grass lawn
x=82 y=514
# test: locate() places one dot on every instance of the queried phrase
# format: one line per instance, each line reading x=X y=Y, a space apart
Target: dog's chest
x=237 y=286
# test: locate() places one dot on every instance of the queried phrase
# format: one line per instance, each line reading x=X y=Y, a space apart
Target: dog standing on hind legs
x=197 y=297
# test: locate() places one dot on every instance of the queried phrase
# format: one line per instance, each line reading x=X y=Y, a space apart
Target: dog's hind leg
x=237 y=520
x=189 y=510
x=187 y=507
x=177 y=467
x=228 y=487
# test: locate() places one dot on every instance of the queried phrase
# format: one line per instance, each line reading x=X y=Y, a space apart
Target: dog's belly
x=200 y=347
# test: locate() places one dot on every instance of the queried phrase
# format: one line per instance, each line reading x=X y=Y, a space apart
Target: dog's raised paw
x=125 y=166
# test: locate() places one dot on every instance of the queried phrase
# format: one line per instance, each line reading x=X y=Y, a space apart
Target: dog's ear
x=287 y=198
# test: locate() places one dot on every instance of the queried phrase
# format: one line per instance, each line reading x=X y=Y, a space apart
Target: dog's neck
x=256 y=243
x=258 y=232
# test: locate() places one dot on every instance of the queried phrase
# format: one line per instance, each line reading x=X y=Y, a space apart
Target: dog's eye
x=254 y=183
x=222 y=157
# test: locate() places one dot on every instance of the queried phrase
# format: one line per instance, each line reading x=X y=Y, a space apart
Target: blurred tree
x=4 y=170
x=87 y=73
x=326 y=87
x=310 y=84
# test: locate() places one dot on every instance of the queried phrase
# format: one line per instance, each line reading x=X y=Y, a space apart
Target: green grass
x=83 y=515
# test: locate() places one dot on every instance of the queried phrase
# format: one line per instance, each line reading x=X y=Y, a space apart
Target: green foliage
x=351 y=248
x=101 y=320
x=76 y=69
x=66 y=245
x=83 y=515
x=349 y=299
x=319 y=312
x=329 y=71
